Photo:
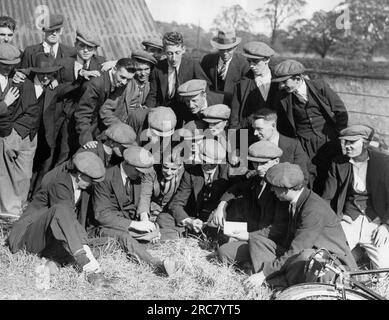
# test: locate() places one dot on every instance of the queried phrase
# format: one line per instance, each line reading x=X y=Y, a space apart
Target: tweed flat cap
x=9 y=54
x=142 y=55
x=139 y=158
x=87 y=37
x=216 y=113
x=212 y=152
x=356 y=132
x=285 y=175
x=121 y=133
x=192 y=88
x=257 y=50
x=287 y=69
x=162 y=121
x=225 y=39
x=193 y=130
x=155 y=42
x=54 y=21
x=90 y=164
x=263 y=151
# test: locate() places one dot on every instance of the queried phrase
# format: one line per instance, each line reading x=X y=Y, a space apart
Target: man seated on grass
x=115 y=201
x=312 y=225
x=358 y=190
x=53 y=223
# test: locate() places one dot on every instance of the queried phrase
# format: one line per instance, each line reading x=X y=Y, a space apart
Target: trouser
x=168 y=227
x=235 y=252
x=130 y=246
x=360 y=232
x=15 y=171
x=67 y=141
x=37 y=230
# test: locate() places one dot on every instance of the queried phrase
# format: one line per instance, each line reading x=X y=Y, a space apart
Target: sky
x=204 y=11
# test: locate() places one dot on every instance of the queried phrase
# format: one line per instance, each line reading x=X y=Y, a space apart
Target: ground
x=199 y=277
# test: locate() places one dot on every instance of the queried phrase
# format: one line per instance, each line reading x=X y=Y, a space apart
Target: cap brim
x=252 y=159
x=52 y=28
x=97 y=180
x=46 y=70
x=352 y=138
x=145 y=59
x=213 y=120
x=247 y=55
x=281 y=78
x=161 y=133
x=144 y=170
x=150 y=44
x=220 y=46
x=9 y=62
x=87 y=42
x=206 y=159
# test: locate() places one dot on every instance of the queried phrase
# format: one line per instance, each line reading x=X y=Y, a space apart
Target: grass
x=199 y=277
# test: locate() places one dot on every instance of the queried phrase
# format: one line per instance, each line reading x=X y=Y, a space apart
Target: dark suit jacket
x=314 y=225
x=247 y=99
x=5 y=120
x=332 y=108
x=377 y=184
x=94 y=93
x=186 y=202
x=236 y=70
x=56 y=189
x=110 y=203
x=29 y=54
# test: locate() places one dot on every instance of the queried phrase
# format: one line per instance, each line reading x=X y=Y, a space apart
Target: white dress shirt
x=79 y=65
x=124 y=175
x=302 y=91
x=172 y=79
x=76 y=190
x=275 y=139
x=359 y=173
x=209 y=176
x=293 y=203
x=38 y=87
x=47 y=48
x=3 y=82
x=263 y=83
x=219 y=66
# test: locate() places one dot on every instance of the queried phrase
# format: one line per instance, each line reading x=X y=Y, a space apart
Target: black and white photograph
x=213 y=152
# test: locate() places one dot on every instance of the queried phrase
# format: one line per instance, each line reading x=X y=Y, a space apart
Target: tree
x=233 y=17
x=278 y=11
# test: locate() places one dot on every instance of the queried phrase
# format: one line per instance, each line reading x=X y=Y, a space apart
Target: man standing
x=109 y=85
x=225 y=67
x=358 y=190
x=50 y=45
x=311 y=111
x=255 y=90
x=115 y=204
x=7 y=29
x=311 y=225
x=55 y=219
x=169 y=74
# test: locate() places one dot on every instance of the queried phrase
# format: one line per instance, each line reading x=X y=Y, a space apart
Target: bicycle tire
x=319 y=291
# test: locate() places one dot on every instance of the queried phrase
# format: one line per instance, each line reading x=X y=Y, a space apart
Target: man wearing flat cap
x=115 y=202
x=198 y=194
x=311 y=111
x=225 y=67
x=358 y=189
x=251 y=201
x=52 y=32
x=132 y=103
x=85 y=65
x=154 y=46
x=170 y=73
x=311 y=225
x=53 y=224
x=196 y=97
x=255 y=90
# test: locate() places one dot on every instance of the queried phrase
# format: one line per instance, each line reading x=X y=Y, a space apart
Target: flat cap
x=287 y=69
x=356 y=132
x=9 y=54
x=155 y=42
x=88 y=37
x=90 y=164
x=193 y=130
x=257 y=50
x=121 y=133
x=54 y=21
x=216 y=113
x=212 y=152
x=263 y=151
x=139 y=158
x=285 y=175
x=142 y=55
x=192 y=88
x=162 y=121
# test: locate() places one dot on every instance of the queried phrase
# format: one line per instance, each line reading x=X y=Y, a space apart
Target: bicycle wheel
x=319 y=291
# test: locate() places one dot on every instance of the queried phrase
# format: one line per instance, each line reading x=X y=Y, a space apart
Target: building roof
x=121 y=25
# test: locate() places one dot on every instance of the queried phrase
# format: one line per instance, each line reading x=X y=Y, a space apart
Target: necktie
x=52 y=53
x=85 y=65
x=222 y=70
x=175 y=85
x=208 y=178
x=129 y=190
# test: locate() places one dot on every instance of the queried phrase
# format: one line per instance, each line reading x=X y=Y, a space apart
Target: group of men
x=155 y=146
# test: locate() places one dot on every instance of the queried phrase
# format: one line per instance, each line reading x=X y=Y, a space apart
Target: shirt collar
x=123 y=174
x=294 y=201
x=210 y=172
x=275 y=139
x=81 y=61
x=265 y=78
x=302 y=90
x=171 y=69
x=37 y=83
x=111 y=79
x=48 y=46
x=359 y=164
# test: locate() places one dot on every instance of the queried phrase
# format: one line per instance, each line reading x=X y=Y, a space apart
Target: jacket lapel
x=118 y=187
x=163 y=77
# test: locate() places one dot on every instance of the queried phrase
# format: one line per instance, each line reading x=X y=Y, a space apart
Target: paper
x=234 y=227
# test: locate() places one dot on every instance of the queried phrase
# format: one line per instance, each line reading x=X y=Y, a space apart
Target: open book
x=234 y=227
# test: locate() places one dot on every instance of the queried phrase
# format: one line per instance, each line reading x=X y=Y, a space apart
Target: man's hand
x=194 y=224
x=144 y=216
x=89 y=74
x=90 y=145
x=19 y=77
x=143 y=226
x=11 y=96
x=243 y=236
x=108 y=65
x=255 y=281
x=380 y=235
x=53 y=84
x=218 y=216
